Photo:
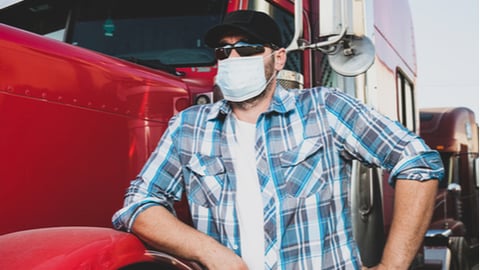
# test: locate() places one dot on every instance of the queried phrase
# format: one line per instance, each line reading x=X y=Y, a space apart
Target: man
x=266 y=171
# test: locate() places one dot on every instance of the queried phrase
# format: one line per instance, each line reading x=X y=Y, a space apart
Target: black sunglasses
x=243 y=49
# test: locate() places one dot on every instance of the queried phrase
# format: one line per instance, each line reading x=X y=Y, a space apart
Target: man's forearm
x=413 y=209
x=163 y=231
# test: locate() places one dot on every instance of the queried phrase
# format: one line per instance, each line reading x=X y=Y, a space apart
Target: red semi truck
x=454 y=228
x=81 y=114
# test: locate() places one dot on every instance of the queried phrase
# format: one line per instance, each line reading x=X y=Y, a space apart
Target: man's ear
x=280 y=59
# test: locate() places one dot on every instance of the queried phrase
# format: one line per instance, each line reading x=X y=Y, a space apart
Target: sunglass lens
x=249 y=50
x=222 y=53
x=243 y=50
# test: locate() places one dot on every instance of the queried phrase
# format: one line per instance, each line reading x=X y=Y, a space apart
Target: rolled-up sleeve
x=159 y=183
x=425 y=165
x=366 y=135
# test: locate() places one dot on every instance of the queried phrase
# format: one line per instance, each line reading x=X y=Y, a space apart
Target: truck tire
x=460 y=253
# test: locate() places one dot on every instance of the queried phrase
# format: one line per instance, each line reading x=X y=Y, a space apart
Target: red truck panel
x=76 y=127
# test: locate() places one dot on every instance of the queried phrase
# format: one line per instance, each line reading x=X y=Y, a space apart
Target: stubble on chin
x=266 y=93
x=254 y=101
x=250 y=103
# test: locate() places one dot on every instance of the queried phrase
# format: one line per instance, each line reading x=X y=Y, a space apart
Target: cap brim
x=215 y=34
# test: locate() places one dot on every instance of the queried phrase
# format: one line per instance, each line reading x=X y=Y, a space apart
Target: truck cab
x=93 y=84
x=454 y=227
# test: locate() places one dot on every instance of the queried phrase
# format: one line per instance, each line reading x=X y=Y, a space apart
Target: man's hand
x=215 y=256
x=378 y=267
x=222 y=258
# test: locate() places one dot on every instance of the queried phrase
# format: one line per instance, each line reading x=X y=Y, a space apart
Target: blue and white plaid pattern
x=304 y=146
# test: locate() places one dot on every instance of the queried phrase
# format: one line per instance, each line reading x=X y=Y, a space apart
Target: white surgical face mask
x=242 y=78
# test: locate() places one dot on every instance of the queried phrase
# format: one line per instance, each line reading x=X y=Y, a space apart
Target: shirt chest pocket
x=305 y=170
x=206 y=180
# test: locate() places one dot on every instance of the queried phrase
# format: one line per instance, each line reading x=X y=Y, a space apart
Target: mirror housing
x=342 y=30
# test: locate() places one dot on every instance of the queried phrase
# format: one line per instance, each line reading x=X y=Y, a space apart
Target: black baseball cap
x=259 y=27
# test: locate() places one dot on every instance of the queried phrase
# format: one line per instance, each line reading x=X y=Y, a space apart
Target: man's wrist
x=376 y=267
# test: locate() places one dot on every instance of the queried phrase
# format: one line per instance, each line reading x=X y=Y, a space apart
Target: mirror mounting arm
x=328 y=46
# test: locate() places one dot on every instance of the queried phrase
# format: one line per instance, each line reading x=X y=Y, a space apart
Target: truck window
x=448 y=164
x=406 y=101
x=142 y=32
x=40 y=17
x=475 y=171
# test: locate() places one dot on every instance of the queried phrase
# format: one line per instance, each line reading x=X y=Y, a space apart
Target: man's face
x=268 y=61
x=237 y=45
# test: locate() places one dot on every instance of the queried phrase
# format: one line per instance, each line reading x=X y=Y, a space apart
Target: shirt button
x=235 y=247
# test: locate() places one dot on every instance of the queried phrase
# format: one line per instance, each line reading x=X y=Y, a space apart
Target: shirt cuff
x=425 y=166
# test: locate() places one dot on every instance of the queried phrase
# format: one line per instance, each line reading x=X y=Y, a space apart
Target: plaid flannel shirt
x=305 y=143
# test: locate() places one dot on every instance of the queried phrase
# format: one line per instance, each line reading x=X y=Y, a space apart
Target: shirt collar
x=283 y=101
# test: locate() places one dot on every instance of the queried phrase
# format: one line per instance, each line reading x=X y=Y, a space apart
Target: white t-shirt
x=249 y=198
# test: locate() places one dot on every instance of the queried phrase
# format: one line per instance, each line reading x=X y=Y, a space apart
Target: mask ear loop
x=275 y=72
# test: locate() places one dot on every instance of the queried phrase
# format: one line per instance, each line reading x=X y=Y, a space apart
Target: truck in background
x=453 y=233
x=83 y=114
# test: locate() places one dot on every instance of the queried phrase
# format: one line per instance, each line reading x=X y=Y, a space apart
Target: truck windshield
x=149 y=32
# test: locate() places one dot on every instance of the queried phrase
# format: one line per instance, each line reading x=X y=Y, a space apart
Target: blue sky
x=447 y=46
